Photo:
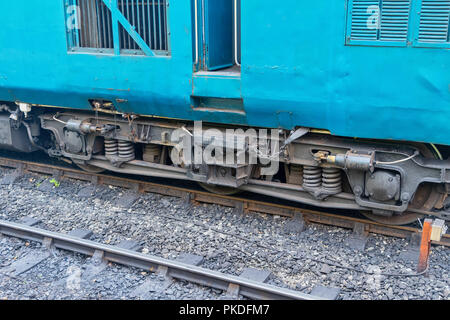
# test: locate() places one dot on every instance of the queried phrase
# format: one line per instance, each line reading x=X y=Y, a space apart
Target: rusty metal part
x=425 y=246
x=196 y=196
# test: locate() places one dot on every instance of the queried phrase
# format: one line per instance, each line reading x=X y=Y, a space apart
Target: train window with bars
x=140 y=26
x=378 y=22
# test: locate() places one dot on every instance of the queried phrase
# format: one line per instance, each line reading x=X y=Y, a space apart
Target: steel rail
x=196 y=196
x=177 y=270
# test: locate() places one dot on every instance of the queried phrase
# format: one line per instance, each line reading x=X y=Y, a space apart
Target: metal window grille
x=93 y=25
x=149 y=17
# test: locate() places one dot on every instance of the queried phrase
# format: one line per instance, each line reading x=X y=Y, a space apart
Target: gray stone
x=87 y=192
x=325 y=269
x=81 y=233
x=255 y=274
x=46 y=186
x=150 y=285
x=296 y=225
x=127 y=199
x=188 y=258
x=29 y=221
x=325 y=292
x=130 y=245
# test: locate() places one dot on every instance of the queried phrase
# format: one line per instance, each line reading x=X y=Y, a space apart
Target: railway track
x=169 y=268
x=198 y=196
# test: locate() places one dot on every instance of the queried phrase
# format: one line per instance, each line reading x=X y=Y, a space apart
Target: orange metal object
x=425 y=245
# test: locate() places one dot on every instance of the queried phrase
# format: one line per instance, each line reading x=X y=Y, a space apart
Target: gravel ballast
x=228 y=240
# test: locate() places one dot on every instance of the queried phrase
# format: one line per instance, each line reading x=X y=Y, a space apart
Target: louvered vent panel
x=394 y=20
x=434 y=21
x=360 y=18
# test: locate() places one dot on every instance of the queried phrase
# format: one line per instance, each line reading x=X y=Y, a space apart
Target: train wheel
x=404 y=218
x=224 y=191
x=425 y=198
x=90 y=168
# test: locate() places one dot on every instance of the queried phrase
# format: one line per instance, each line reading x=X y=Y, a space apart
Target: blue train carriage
x=114 y=84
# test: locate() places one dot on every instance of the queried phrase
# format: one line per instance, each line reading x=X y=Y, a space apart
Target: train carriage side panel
x=296 y=70
x=37 y=67
x=299 y=70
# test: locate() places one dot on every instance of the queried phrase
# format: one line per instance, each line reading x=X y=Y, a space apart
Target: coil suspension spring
x=111 y=147
x=312 y=177
x=126 y=149
x=332 y=179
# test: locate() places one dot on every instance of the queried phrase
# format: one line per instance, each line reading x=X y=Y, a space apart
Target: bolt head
x=405 y=196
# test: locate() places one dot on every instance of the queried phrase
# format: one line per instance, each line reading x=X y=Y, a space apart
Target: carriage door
x=215 y=29
x=218 y=22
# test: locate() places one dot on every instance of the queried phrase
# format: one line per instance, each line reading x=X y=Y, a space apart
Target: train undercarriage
x=389 y=182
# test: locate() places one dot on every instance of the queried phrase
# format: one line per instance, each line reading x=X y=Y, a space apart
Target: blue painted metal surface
x=217 y=84
x=296 y=71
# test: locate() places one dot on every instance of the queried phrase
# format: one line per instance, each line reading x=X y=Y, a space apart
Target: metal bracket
x=233 y=290
x=382 y=206
x=163 y=271
x=300 y=132
x=48 y=243
x=97 y=257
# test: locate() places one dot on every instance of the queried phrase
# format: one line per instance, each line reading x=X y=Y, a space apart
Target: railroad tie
x=358 y=239
x=26 y=263
x=30 y=260
x=296 y=225
x=11 y=178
